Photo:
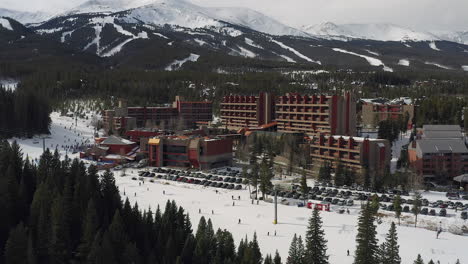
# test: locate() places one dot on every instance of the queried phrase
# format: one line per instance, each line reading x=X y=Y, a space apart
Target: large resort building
x=439 y=153
x=180 y=115
x=310 y=114
x=355 y=153
x=376 y=110
x=190 y=152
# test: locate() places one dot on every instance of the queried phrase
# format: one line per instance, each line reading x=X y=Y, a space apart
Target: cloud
x=417 y=14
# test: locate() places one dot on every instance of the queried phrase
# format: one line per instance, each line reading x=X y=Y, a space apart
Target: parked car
x=432 y=212
x=424 y=211
x=464 y=215
x=443 y=212
x=406 y=209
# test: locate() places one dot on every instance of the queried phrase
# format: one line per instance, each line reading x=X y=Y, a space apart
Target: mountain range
x=157 y=34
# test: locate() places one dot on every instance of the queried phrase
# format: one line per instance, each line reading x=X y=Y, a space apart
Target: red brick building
x=313 y=114
x=310 y=114
x=182 y=114
x=374 y=112
x=190 y=152
x=353 y=152
x=439 y=153
x=238 y=111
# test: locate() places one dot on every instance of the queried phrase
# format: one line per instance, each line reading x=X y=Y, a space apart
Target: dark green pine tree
x=241 y=250
x=90 y=227
x=188 y=249
x=315 y=242
x=431 y=262
x=256 y=254
x=390 y=255
x=268 y=259
x=304 y=187
x=296 y=251
x=117 y=236
x=397 y=207
x=59 y=248
x=203 y=248
x=16 y=245
x=366 y=248
x=339 y=174
x=131 y=254
x=277 y=258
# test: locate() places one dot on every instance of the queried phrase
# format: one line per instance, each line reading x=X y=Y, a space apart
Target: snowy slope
x=5 y=24
x=25 y=17
x=340 y=229
x=383 y=32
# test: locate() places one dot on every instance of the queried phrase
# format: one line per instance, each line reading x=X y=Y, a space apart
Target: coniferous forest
x=23 y=114
x=62 y=212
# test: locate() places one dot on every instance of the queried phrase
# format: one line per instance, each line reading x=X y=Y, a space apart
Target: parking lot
x=231 y=179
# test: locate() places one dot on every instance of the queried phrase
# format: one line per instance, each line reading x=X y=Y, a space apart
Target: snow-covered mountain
x=25 y=17
x=185 y=14
x=458 y=36
x=382 y=32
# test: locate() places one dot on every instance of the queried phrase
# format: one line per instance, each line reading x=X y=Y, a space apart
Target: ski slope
x=340 y=229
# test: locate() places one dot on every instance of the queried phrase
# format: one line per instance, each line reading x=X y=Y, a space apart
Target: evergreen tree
x=268 y=259
x=416 y=209
x=304 y=187
x=265 y=177
x=277 y=258
x=255 y=249
x=374 y=205
x=296 y=251
x=366 y=248
x=390 y=254
x=325 y=172
x=16 y=245
x=316 y=248
x=431 y=262
x=397 y=207
x=339 y=174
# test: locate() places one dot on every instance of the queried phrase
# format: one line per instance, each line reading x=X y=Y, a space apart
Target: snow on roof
x=442 y=146
x=113 y=140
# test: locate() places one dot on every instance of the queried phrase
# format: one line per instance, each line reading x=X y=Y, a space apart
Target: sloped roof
x=442 y=146
x=441 y=128
x=113 y=140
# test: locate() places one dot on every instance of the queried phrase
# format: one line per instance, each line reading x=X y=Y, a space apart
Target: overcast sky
x=417 y=14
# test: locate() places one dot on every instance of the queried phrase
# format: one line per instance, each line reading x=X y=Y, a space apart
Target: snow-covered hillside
x=383 y=32
x=25 y=17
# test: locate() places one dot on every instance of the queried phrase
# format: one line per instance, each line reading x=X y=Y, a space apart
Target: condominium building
x=356 y=153
x=439 y=153
x=182 y=114
x=314 y=114
x=238 y=111
x=310 y=114
x=190 y=152
x=374 y=111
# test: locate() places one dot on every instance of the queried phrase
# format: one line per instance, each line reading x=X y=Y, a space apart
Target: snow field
x=404 y=62
x=372 y=61
x=340 y=230
x=297 y=53
x=175 y=65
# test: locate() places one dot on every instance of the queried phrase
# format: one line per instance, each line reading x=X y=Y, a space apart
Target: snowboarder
x=164 y=192
x=268 y=234
x=232 y=203
x=239 y=221
x=212 y=212
x=199 y=211
x=348 y=252
x=438 y=232
x=252 y=201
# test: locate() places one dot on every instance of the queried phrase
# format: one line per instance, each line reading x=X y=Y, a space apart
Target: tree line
x=59 y=211
x=23 y=114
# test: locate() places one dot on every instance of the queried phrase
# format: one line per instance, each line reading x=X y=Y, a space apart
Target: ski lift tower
x=275 y=221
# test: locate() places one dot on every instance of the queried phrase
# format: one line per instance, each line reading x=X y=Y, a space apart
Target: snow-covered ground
x=372 y=61
x=404 y=62
x=433 y=46
x=297 y=53
x=437 y=65
x=5 y=23
x=340 y=229
x=465 y=67
x=9 y=84
x=175 y=65
x=64 y=133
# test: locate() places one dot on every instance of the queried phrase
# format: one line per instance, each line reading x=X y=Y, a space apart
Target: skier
x=199 y=211
x=438 y=232
x=232 y=203
x=347 y=210
x=232 y=197
x=268 y=234
x=164 y=192
x=252 y=201
x=348 y=252
x=239 y=221
x=257 y=202
x=239 y=197
x=212 y=212
x=275 y=232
